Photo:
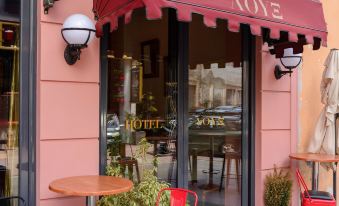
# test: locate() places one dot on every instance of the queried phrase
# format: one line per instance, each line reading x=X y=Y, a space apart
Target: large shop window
x=143 y=104
x=9 y=98
x=215 y=113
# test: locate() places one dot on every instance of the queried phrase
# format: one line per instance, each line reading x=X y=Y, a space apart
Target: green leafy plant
x=142 y=149
x=147 y=106
x=278 y=187
x=113 y=148
x=144 y=193
x=121 y=199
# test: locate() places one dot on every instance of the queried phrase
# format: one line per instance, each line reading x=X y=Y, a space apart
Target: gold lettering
x=127 y=125
x=139 y=126
x=211 y=122
x=145 y=124
x=151 y=124
x=205 y=121
x=199 y=122
x=276 y=11
x=221 y=121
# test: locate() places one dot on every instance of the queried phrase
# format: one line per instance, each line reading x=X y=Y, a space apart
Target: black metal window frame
x=178 y=58
x=27 y=130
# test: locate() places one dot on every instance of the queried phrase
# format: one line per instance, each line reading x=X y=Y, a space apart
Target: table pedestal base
x=209 y=187
x=90 y=201
x=315 y=175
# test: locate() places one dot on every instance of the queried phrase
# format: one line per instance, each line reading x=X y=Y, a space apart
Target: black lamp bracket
x=73 y=51
x=278 y=72
x=48 y=4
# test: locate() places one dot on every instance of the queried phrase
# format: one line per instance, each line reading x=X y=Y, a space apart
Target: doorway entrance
x=183 y=89
x=215 y=113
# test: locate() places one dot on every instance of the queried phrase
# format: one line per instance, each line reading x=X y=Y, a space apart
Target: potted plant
x=143 y=193
x=278 y=186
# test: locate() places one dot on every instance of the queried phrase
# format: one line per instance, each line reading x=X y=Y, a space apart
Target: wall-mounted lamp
x=78 y=31
x=290 y=61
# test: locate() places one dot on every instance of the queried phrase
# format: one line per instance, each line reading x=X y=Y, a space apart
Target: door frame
x=178 y=38
x=179 y=58
x=103 y=98
x=28 y=78
x=248 y=118
x=178 y=52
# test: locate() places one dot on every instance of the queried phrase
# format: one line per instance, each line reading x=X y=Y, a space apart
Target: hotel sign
x=208 y=121
x=263 y=8
x=267 y=8
x=137 y=124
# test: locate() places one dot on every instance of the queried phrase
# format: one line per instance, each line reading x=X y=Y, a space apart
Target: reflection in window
x=214 y=87
x=215 y=110
x=142 y=105
x=9 y=108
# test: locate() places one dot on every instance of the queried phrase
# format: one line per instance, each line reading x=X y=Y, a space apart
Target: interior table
x=211 y=134
x=316 y=159
x=3 y=142
x=91 y=186
x=156 y=139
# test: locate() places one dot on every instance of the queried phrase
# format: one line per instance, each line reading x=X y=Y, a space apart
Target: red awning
x=297 y=17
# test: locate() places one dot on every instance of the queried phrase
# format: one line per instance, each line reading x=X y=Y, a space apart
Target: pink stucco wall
x=310 y=95
x=276 y=120
x=68 y=105
x=68 y=110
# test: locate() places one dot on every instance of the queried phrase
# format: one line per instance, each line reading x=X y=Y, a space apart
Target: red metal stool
x=314 y=198
x=178 y=196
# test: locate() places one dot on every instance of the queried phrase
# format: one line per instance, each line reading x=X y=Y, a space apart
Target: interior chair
x=3 y=171
x=312 y=197
x=192 y=163
x=9 y=201
x=129 y=162
x=178 y=196
x=171 y=169
x=231 y=153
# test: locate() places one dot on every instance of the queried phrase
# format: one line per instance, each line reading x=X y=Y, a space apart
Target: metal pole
x=335 y=181
x=315 y=175
x=90 y=201
x=335 y=152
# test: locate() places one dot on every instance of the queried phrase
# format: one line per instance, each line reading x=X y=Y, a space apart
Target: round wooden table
x=91 y=186
x=316 y=159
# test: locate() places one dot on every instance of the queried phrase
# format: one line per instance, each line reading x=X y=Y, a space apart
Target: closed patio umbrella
x=323 y=140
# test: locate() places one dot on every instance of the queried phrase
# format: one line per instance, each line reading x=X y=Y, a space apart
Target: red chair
x=312 y=197
x=178 y=196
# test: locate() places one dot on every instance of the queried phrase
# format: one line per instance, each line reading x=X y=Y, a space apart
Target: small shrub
x=278 y=186
x=143 y=193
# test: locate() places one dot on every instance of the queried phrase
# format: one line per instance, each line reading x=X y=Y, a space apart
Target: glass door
x=142 y=101
x=215 y=113
x=9 y=105
x=179 y=88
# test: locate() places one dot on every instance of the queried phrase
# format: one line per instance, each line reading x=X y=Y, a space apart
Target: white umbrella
x=323 y=140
